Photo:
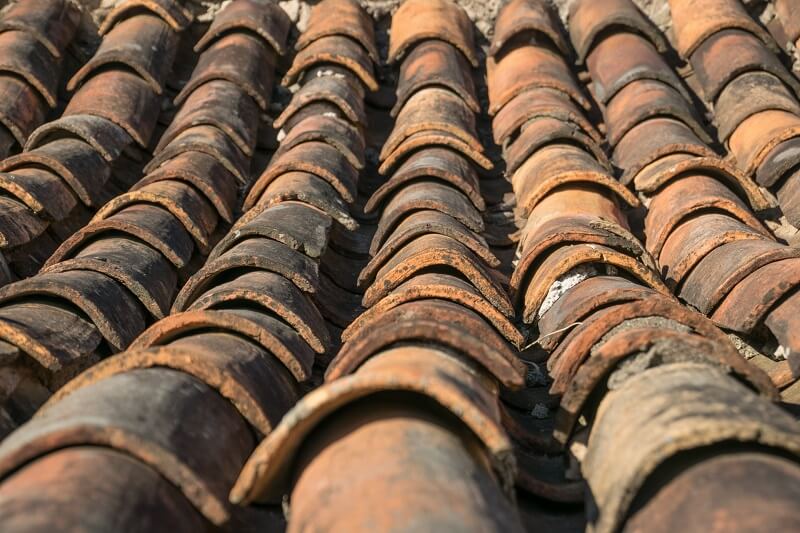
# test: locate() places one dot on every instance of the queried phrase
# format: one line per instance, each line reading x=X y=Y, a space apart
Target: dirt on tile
x=482 y=12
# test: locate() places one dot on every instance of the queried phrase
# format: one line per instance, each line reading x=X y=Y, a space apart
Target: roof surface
x=389 y=276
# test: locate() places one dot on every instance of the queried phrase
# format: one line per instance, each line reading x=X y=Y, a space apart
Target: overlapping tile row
x=72 y=165
x=754 y=97
x=327 y=123
x=182 y=409
x=701 y=225
x=407 y=424
x=34 y=36
x=116 y=275
x=568 y=206
x=65 y=319
x=643 y=382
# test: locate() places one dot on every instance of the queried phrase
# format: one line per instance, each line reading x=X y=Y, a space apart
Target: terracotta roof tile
x=110 y=411
x=334 y=92
x=264 y=19
x=527 y=67
x=338 y=50
x=645 y=99
x=96 y=472
x=24 y=55
x=114 y=312
x=53 y=23
x=425 y=222
x=171 y=12
x=678 y=200
x=421 y=20
x=727 y=265
x=696 y=21
x=523 y=18
x=654 y=139
x=21 y=112
x=755 y=101
x=108 y=139
x=340 y=17
x=534 y=103
x=704 y=419
x=588 y=19
x=123 y=266
x=438 y=162
x=399 y=310
x=248 y=55
x=729 y=53
x=207 y=106
x=432 y=169
x=121 y=45
x=612 y=318
x=622 y=58
x=209 y=140
x=435 y=63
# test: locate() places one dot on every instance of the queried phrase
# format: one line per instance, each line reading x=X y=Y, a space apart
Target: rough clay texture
x=483 y=12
